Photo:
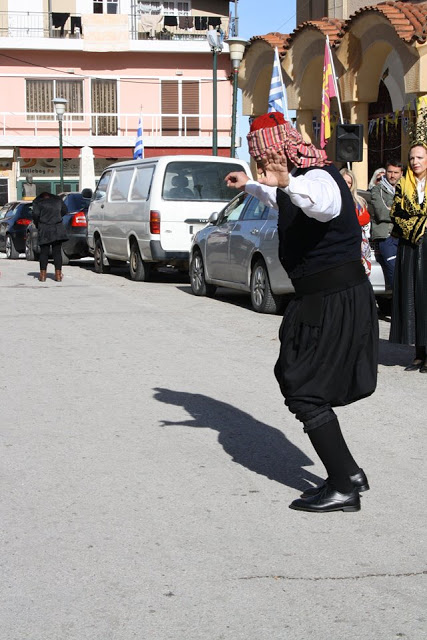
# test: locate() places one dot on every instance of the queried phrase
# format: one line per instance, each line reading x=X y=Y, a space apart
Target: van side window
x=120 y=185
x=102 y=186
x=142 y=183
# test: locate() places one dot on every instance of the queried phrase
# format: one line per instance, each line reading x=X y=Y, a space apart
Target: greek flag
x=277 y=100
x=138 y=152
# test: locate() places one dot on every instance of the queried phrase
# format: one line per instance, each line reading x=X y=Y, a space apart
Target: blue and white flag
x=277 y=100
x=138 y=152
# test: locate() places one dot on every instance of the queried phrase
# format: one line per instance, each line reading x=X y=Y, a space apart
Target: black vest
x=307 y=246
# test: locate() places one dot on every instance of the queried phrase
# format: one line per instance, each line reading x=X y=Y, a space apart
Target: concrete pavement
x=148 y=464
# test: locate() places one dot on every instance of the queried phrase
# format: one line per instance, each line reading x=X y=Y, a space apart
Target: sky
x=280 y=16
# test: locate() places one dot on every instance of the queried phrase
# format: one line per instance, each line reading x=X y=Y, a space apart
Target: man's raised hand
x=273 y=170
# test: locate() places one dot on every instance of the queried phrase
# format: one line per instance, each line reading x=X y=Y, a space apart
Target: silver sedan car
x=239 y=249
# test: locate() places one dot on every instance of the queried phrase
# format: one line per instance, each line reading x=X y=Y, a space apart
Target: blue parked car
x=15 y=217
x=75 y=222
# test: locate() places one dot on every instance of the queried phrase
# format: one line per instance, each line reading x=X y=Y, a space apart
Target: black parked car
x=75 y=223
x=14 y=220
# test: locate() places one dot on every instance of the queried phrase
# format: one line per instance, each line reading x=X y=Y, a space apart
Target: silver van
x=146 y=212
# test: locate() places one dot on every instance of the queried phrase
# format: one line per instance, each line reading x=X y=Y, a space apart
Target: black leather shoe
x=417 y=365
x=423 y=369
x=358 y=480
x=329 y=499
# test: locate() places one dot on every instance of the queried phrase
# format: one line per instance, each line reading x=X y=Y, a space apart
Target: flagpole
x=334 y=77
x=276 y=53
x=335 y=80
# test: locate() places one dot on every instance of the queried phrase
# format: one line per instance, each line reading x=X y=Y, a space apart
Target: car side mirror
x=213 y=218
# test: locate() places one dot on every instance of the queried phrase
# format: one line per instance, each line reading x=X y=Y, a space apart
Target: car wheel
x=262 y=298
x=98 y=258
x=138 y=269
x=29 y=251
x=11 y=252
x=199 y=286
x=65 y=258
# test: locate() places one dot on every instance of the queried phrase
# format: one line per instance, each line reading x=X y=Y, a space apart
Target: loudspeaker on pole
x=349 y=143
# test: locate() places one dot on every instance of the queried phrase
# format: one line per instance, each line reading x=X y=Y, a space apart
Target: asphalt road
x=148 y=463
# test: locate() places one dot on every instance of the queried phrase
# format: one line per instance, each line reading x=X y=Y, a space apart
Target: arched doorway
x=384 y=138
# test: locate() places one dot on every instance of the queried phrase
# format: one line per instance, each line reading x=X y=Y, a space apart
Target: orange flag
x=328 y=92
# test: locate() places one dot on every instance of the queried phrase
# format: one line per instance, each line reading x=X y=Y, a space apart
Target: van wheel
x=262 y=298
x=199 y=286
x=139 y=270
x=98 y=258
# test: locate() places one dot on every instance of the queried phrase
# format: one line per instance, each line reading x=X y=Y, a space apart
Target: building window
x=105 y=6
x=181 y=100
x=104 y=101
x=40 y=94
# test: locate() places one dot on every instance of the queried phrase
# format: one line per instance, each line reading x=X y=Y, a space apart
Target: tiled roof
x=409 y=20
x=278 y=40
x=331 y=27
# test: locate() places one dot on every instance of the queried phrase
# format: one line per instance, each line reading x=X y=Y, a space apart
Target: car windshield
x=202 y=181
x=76 y=202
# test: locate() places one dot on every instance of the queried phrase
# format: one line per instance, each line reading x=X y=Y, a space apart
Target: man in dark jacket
x=382 y=195
x=329 y=333
x=48 y=210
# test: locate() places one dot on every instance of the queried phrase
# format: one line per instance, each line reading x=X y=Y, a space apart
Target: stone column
x=359 y=115
x=305 y=123
x=87 y=169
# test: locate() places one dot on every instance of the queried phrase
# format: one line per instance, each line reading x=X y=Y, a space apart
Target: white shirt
x=421 y=187
x=316 y=193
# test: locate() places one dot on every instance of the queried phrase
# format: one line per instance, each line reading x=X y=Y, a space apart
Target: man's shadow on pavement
x=250 y=443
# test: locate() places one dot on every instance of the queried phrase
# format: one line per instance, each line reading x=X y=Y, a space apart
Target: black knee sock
x=333 y=451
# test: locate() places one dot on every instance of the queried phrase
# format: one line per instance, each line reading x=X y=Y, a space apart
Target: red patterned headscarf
x=272 y=131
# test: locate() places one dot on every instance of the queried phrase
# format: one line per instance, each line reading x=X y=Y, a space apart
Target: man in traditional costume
x=329 y=333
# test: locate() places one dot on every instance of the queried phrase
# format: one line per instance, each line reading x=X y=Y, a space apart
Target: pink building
x=113 y=61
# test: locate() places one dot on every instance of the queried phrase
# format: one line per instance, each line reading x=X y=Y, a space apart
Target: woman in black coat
x=48 y=210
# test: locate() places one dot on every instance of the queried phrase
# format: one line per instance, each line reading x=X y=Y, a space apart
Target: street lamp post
x=237 y=49
x=60 y=104
x=214 y=40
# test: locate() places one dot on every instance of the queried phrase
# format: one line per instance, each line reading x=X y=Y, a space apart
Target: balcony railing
x=26 y=24
x=16 y=124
